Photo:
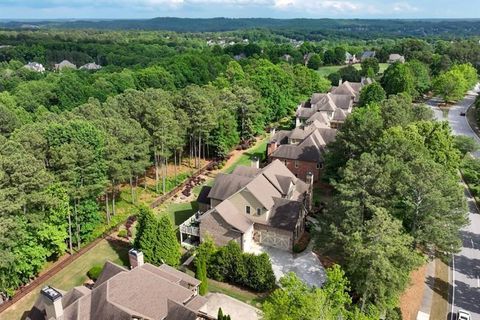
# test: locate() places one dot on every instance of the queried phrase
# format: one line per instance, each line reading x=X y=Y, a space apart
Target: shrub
x=123 y=233
x=230 y=264
x=95 y=272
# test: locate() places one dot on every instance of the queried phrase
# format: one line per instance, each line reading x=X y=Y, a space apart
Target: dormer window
x=247 y=209
x=319 y=165
x=259 y=211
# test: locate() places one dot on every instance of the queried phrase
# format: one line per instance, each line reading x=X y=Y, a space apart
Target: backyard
x=176 y=208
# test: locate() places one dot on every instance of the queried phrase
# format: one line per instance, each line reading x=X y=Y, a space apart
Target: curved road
x=466 y=264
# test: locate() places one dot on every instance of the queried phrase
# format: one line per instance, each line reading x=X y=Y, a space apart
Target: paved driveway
x=237 y=310
x=305 y=265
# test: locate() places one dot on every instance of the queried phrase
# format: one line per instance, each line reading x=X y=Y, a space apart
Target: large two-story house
x=251 y=205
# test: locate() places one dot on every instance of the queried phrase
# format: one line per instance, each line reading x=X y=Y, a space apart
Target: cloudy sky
x=54 y=9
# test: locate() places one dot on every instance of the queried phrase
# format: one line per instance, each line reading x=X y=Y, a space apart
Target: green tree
x=350 y=73
x=201 y=274
x=157 y=239
x=465 y=144
x=379 y=260
x=314 y=62
x=370 y=63
x=450 y=86
x=372 y=93
x=421 y=75
x=398 y=78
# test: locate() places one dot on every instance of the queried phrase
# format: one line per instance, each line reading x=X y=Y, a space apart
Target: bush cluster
x=230 y=264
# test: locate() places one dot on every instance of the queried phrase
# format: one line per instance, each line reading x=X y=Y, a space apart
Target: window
x=296 y=164
x=259 y=211
x=285 y=161
x=319 y=165
x=247 y=209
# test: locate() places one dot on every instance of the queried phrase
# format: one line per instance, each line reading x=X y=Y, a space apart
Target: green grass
x=251 y=298
x=71 y=276
x=259 y=151
x=325 y=71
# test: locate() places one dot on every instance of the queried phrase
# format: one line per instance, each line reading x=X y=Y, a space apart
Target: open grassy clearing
x=326 y=70
x=258 y=150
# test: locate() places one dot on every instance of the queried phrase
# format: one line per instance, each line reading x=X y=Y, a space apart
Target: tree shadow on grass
x=121 y=248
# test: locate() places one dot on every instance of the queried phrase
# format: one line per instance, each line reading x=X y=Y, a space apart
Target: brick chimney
x=255 y=162
x=309 y=181
x=52 y=299
x=272 y=146
x=135 y=257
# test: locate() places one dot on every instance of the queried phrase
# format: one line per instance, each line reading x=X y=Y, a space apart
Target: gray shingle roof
x=285 y=214
x=226 y=185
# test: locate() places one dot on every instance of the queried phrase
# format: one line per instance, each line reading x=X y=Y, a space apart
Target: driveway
x=305 y=265
x=236 y=309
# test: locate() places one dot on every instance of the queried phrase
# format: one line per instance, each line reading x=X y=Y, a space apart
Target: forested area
x=309 y=29
x=395 y=172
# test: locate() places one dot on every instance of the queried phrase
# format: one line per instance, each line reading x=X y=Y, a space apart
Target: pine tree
x=157 y=239
x=168 y=249
x=201 y=273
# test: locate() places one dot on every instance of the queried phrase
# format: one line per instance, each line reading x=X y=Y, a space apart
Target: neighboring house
x=240 y=56
x=145 y=292
x=367 y=55
x=35 y=66
x=327 y=108
x=252 y=205
x=350 y=58
x=91 y=66
x=317 y=120
x=307 y=57
x=395 y=57
x=64 y=64
x=302 y=149
x=286 y=57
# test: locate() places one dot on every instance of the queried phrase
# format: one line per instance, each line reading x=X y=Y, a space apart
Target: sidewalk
x=424 y=312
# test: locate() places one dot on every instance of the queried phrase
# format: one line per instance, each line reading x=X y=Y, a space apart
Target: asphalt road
x=466 y=264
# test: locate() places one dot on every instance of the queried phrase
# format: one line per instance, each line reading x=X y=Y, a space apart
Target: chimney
x=272 y=132
x=309 y=181
x=298 y=123
x=53 y=303
x=272 y=146
x=135 y=257
x=255 y=163
x=362 y=80
x=340 y=82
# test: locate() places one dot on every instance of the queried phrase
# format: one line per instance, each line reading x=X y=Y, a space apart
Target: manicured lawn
x=259 y=151
x=325 y=71
x=73 y=275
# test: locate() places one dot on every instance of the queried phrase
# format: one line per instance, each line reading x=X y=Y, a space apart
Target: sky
x=134 y=9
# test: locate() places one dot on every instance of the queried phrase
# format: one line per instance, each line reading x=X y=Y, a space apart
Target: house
x=395 y=57
x=91 y=66
x=252 y=205
x=64 y=64
x=307 y=57
x=302 y=149
x=35 y=66
x=286 y=57
x=323 y=106
x=367 y=55
x=350 y=58
x=144 y=292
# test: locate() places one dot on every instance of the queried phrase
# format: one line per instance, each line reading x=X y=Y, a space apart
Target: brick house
x=251 y=205
x=302 y=149
x=317 y=120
